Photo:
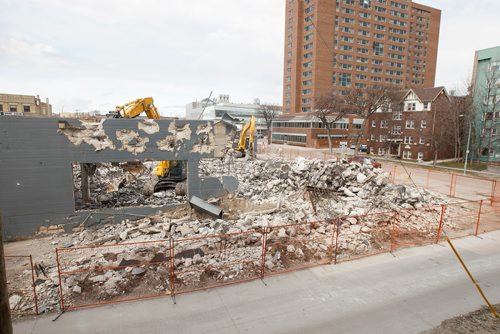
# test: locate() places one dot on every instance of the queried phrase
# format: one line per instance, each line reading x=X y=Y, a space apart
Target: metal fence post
x=478 y=217
x=34 y=286
x=60 y=279
x=263 y=254
x=172 y=267
x=393 y=231
x=441 y=220
x=337 y=233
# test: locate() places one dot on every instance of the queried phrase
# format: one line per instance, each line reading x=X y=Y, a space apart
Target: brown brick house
x=417 y=124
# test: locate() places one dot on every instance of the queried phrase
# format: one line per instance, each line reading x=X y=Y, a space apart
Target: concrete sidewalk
x=408 y=293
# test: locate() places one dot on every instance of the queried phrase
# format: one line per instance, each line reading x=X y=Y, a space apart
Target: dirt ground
x=478 y=322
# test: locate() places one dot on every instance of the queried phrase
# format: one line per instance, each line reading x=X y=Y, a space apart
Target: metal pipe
x=203 y=206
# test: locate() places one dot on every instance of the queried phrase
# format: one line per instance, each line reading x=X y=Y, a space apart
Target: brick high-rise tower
x=334 y=45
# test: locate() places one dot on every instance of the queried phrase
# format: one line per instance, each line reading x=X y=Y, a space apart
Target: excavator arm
x=133 y=109
x=249 y=128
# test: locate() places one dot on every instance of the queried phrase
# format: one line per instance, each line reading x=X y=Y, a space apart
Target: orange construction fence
x=20 y=274
x=95 y=275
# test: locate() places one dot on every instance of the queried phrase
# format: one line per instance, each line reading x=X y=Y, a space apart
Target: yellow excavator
x=243 y=143
x=169 y=173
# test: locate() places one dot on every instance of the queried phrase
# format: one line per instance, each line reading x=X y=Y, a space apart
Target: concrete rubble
x=272 y=193
x=119 y=185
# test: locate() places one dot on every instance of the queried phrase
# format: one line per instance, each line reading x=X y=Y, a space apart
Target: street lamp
x=467 y=149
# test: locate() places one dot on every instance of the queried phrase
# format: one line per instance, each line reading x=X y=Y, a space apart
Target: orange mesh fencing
x=94 y=275
x=298 y=246
x=417 y=227
x=216 y=260
x=21 y=284
x=364 y=235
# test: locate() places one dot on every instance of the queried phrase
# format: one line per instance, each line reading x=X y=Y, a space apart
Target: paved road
x=408 y=293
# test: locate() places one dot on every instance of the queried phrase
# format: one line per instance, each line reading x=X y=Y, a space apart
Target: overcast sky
x=90 y=55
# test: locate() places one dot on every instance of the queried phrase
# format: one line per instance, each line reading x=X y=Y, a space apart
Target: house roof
x=427 y=94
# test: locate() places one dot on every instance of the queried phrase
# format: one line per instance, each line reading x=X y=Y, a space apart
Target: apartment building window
x=307 y=82
x=345 y=57
x=426 y=105
x=379 y=36
x=346 y=66
x=348 y=20
x=348 y=10
x=308 y=46
x=407 y=155
x=306 y=100
x=378 y=49
x=308 y=55
x=345 y=79
x=374 y=124
x=377 y=62
x=346 y=47
x=363 y=41
x=361 y=68
x=410 y=124
x=408 y=140
x=399 y=5
x=309 y=37
x=364 y=24
x=307 y=73
x=376 y=79
x=380 y=9
x=306 y=91
x=309 y=28
x=13 y=108
x=349 y=2
x=26 y=108
x=365 y=15
x=383 y=124
x=397 y=115
x=363 y=33
x=380 y=27
x=356 y=126
x=423 y=124
x=306 y=109
x=421 y=141
x=396 y=130
x=309 y=9
x=308 y=64
x=383 y=138
x=363 y=50
x=309 y=18
x=420 y=155
x=367 y=4
x=372 y=137
x=411 y=106
x=341 y=125
x=362 y=60
x=379 y=18
x=348 y=30
x=360 y=76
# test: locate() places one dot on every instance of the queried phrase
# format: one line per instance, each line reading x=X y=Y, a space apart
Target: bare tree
x=463 y=117
x=365 y=102
x=443 y=127
x=328 y=110
x=268 y=112
x=491 y=102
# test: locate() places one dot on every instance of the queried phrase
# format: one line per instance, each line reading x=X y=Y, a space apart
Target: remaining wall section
x=36 y=181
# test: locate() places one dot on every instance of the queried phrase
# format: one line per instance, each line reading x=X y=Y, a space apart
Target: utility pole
x=467 y=150
x=5 y=321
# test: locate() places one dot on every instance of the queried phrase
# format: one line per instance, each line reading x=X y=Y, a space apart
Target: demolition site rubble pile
x=124 y=184
x=277 y=196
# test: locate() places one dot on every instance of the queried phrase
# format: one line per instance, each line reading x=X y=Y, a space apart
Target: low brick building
x=417 y=124
x=24 y=105
x=308 y=130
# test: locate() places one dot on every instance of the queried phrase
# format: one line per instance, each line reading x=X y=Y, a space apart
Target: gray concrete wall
x=36 y=181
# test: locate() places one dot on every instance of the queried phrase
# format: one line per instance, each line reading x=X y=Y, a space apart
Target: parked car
x=366 y=161
x=363 y=148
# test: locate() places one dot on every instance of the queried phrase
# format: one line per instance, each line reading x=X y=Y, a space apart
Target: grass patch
x=470 y=166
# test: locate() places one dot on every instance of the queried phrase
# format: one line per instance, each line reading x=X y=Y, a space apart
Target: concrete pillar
x=87 y=170
x=5 y=320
